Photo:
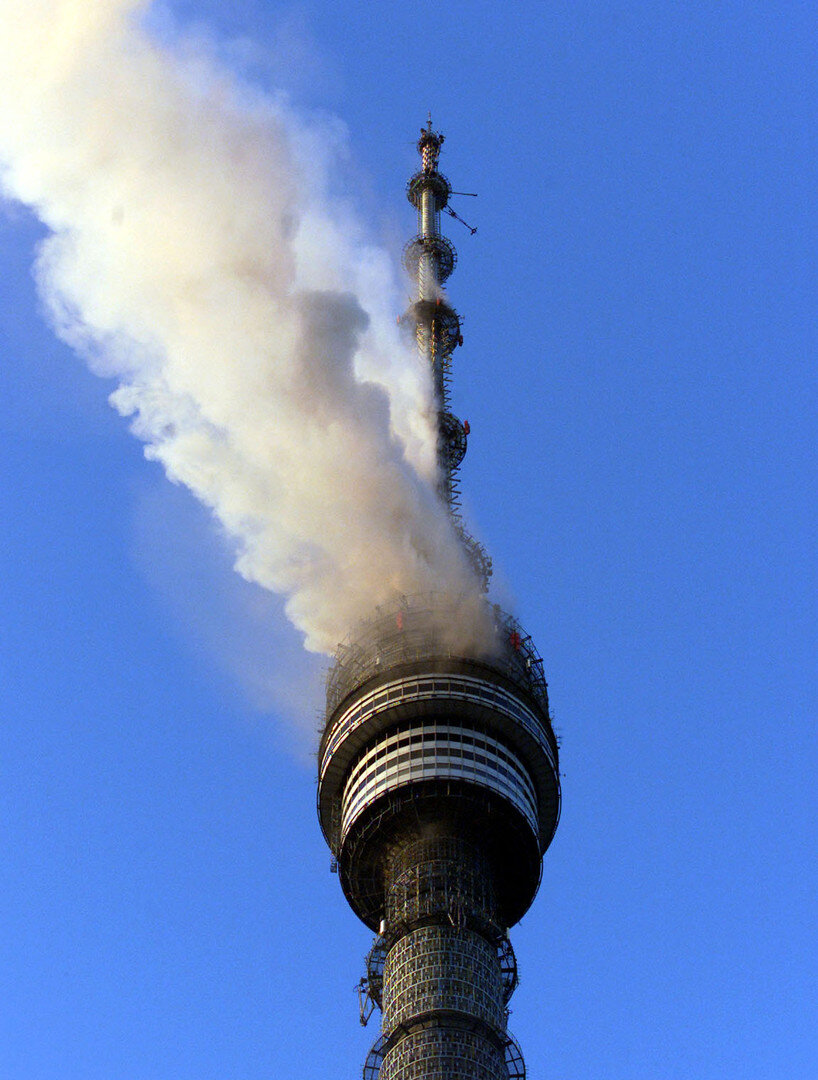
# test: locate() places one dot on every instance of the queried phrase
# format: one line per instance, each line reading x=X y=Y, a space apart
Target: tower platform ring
x=439 y=246
x=440 y=319
x=453 y=438
x=448 y=698
x=412 y=752
x=409 y=812
x=435 y=181
x=407 y=632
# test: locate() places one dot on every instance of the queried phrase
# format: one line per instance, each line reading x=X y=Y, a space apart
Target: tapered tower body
x=438 y=773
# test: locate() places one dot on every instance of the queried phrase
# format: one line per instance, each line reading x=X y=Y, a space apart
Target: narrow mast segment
x=429 y=259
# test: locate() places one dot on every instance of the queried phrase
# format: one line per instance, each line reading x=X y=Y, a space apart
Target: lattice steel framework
x=438 y=769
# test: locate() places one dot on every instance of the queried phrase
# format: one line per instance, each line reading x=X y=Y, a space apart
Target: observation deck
x=420 y=734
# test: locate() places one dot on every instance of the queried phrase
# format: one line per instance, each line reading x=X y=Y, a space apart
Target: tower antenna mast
x=429 y=258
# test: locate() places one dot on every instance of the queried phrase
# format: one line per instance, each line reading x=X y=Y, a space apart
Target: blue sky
x=639 y=311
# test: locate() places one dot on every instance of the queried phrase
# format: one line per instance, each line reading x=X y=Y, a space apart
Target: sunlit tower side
x=438 y=769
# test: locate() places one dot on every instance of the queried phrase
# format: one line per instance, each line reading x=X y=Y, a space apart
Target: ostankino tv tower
x=438 y=771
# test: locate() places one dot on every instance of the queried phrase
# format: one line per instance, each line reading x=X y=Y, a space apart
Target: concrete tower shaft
x=438 y=786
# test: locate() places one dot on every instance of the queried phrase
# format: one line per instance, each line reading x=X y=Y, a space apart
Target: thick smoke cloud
x=195 y=255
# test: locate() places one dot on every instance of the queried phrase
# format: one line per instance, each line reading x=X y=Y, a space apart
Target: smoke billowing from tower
x=438 y=776
x=197 y=257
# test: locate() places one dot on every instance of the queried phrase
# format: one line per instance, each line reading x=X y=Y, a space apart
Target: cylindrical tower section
x=428 y=213
x=443 y=991
x=442 y=969
x=443 y=1053
x=429 y=192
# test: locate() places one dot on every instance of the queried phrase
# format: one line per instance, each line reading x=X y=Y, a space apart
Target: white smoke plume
x=196 y=256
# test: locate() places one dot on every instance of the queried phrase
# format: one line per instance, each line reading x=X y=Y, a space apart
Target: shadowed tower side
x=438 y=768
